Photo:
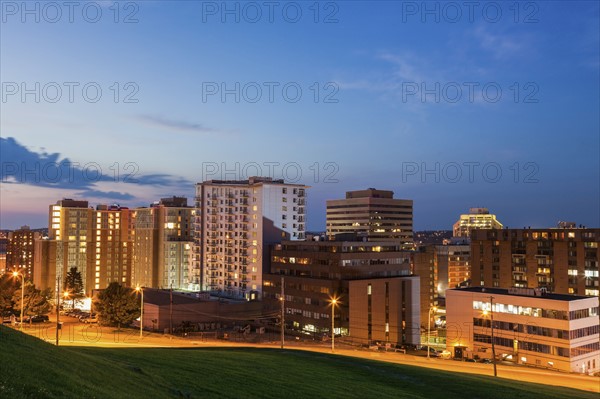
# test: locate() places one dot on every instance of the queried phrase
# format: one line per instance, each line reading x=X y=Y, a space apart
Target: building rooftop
x=252 y=180
x=370 y=193
x=524 y=292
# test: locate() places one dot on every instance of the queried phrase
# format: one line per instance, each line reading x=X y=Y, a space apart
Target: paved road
x=75 y=333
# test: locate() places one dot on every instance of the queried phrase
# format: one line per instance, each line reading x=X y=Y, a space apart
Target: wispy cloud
x=502 y=45
x=399 y=68
x=178 y=125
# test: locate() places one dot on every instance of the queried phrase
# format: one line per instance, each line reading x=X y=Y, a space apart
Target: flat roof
x=503 y=291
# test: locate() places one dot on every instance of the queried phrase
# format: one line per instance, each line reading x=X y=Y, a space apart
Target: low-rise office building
x=385 y=310
x=530 y=327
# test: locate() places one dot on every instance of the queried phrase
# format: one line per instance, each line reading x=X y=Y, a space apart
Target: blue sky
x=400 y=91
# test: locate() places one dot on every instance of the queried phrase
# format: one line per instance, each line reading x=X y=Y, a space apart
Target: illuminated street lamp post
x=141 y=291
x=15 y=274
x=492 y=332
x=66 y=295
x=432 y=308
x=493 y=346
x=333 y=303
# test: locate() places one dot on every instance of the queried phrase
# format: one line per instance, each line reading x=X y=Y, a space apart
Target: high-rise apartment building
x=234 y=224
x=562 y=260
x=20 y=250
x=112 y=245
x=477 y=218
x=70 y=225
x=98 y=242
x=163 y=246
x=371 y=214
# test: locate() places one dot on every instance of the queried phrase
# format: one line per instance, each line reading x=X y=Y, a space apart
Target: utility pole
x=282 y=300
x=171 y=309
x=493 y=347
x=57 y=307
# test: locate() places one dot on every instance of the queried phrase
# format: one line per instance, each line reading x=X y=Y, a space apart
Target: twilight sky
x=454 y=107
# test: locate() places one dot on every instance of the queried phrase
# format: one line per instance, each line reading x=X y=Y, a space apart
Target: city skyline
x=393 y=96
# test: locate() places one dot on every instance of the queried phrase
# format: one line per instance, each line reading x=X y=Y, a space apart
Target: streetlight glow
x=141 y=291
x=334 y=302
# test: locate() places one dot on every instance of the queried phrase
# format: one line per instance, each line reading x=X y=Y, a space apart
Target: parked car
x=6 y=316
x=470 y=361
x=73 y=313
x=90 y=320
x=486 y=361
x=83 y=315
x=37 y=319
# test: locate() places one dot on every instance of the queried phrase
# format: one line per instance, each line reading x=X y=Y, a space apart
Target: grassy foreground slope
x=32 y=368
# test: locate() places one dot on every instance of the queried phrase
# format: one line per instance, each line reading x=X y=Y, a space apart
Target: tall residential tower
x=234 y=224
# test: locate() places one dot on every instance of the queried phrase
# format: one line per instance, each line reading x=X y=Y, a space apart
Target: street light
x=493 y=346
x=491 y=312
x=334 y=302
x=15 y=274
x=66 y=296
x=141 y=291
x=429 y=328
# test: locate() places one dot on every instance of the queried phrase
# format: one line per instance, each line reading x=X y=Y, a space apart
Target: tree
x=36 y=302
x=74 y=285
x=117 y=305
x=8 y=286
